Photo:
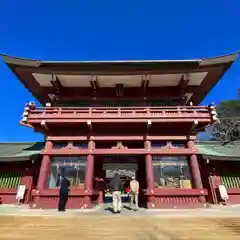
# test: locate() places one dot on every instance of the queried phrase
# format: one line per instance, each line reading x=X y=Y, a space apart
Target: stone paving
x=116 y=228
x=22 y=223
x=106 y=210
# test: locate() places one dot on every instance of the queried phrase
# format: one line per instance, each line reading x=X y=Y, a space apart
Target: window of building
x=171 y=172
x=230 y=180
x=72 y=167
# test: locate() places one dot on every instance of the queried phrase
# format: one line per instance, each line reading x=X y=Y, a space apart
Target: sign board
x=223 y=192
x=163 y=164
x=21 y=192
x=120 y=159
x=118 y=166
x=121 y=172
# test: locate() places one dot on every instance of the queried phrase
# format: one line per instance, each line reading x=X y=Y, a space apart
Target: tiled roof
x=15 y=150
x=210 y=149
x=214 y=149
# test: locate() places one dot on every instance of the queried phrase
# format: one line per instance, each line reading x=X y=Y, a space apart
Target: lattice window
x=231 y=180
x=121 y=104
x=73 y=104
x=162 y=103
x=10 y=179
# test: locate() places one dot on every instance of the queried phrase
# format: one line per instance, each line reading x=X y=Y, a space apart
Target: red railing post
x=179 y=112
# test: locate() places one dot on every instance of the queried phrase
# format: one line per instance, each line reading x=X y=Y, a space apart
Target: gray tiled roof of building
x=13 y=150
x=217 y=150
x=211 y=149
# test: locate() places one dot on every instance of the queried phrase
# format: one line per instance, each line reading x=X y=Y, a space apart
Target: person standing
x=116 y=186
x=134 y=185
x=63 y=194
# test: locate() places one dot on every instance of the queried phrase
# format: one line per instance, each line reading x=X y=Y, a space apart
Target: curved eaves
x=11 y=60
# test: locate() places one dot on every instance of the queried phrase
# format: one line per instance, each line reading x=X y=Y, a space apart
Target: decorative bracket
x=119 y=146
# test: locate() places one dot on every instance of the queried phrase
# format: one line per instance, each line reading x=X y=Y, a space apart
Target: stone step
x=18 y=206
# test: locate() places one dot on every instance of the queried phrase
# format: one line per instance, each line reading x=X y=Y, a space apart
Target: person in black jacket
x=63 y=194
x=116 y=186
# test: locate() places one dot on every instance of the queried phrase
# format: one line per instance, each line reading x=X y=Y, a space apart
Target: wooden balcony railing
x=137 y=113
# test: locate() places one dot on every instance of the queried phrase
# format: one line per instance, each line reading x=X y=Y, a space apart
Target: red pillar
x=88 y=185
x=89 y=173
x=149 y=173
x=195 y=172
x=45 y=167
x=99 y=178
x=149 y=176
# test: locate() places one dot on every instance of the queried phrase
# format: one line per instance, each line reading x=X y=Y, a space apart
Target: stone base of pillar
x=202 y=199
x=100 y=197
x=47 y=202
x=151 y=202
x=87 y=202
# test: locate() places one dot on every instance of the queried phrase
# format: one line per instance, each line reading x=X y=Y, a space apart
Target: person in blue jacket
x=63 y=193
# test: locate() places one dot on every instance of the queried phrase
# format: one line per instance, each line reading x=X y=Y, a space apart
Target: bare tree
x=228 y=127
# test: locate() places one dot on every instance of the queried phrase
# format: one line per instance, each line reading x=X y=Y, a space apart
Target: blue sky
x=112 y=30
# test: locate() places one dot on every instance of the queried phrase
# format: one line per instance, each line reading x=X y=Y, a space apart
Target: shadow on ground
x=124 y=209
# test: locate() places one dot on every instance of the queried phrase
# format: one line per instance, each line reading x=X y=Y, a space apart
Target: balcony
x=190 y=114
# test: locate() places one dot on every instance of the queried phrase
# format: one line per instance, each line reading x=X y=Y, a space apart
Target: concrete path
x=105 y=210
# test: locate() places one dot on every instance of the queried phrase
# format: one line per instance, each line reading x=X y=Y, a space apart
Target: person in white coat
x=134 y=185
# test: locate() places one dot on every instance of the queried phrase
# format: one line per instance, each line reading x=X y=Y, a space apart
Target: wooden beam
x=145 y=82
x=149 y=124
x=26 y=124
x=44 y=125
x=119 y=138
x=94 y=83
x=119 y=90
x=183 y=100
x=124 y=151
x=182 y=85
x=167 y=91
x=75 y=119
x=194 y=125
x=114 y=98
x=56 y=83
x=89 y=123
